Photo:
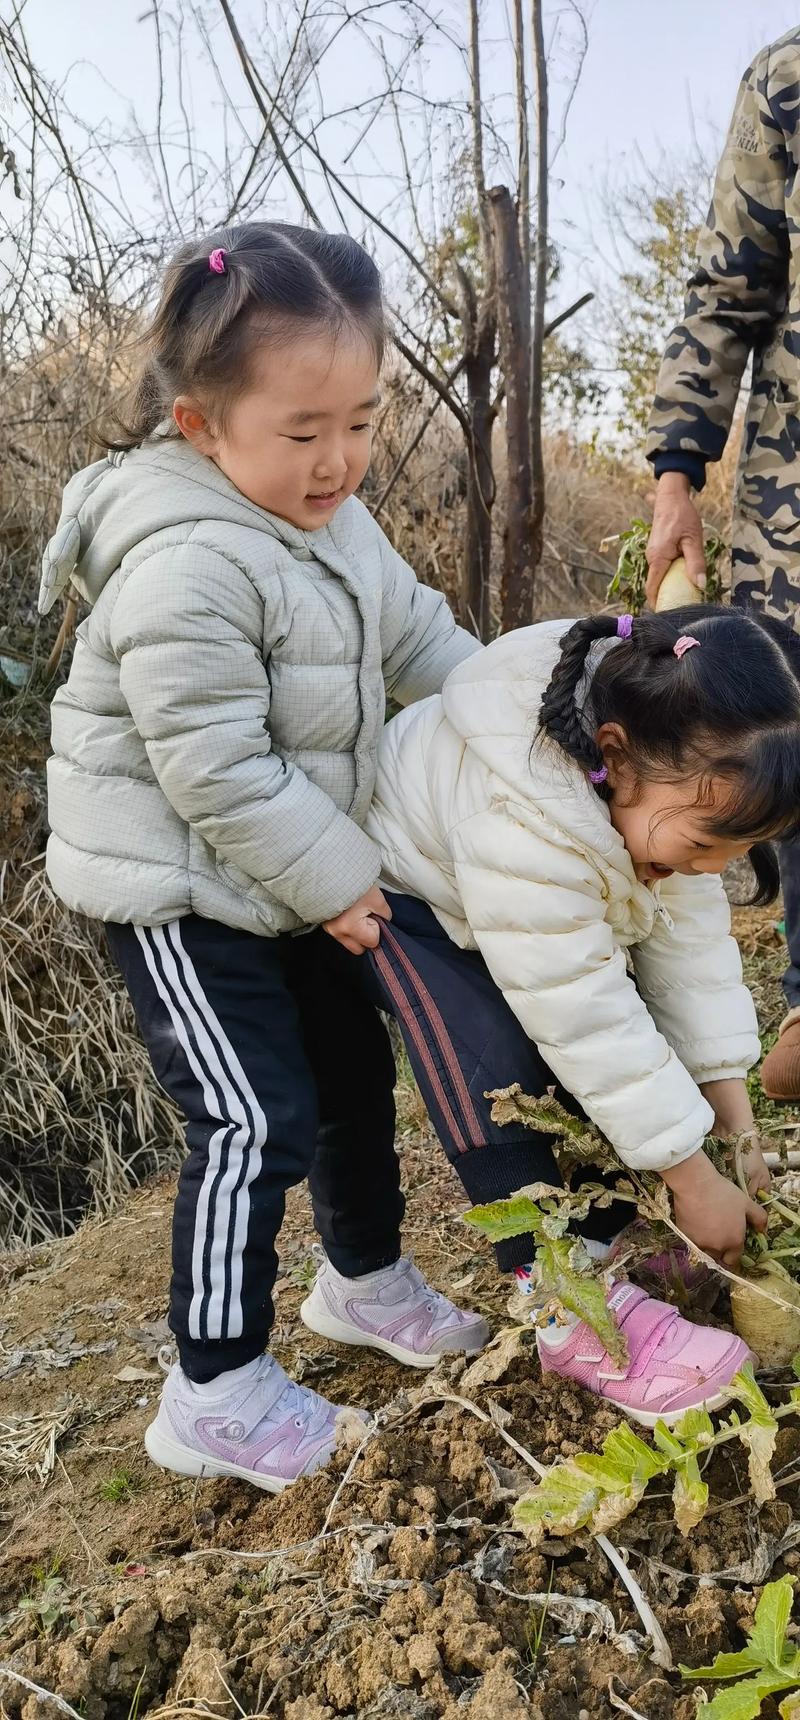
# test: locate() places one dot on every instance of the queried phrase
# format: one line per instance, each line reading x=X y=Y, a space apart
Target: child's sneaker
x=674 y=1364
x=266 y=1428
x=392 y=1310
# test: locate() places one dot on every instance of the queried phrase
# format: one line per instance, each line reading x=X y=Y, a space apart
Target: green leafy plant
x=597 y=1490
x=630 y=577
x=768 y=1305
x=46 y=1599
x=566 y=1271
x=766 y=1665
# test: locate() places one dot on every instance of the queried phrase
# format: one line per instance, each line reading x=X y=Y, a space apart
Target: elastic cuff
x=681 y=460
x=350 y=1264
x=202 y=1362
x=493 y=1173
x=790 y=1020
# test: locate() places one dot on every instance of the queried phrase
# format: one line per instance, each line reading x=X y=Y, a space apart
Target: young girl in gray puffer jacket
x=215 y=752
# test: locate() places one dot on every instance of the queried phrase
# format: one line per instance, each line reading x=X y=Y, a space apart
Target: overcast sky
x=657 y=73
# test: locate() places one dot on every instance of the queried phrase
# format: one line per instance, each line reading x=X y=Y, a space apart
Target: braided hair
x=730 y=710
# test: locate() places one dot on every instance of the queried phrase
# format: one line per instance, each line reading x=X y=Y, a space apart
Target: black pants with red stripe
x=276 y=1054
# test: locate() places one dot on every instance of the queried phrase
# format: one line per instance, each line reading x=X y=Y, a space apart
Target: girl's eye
x=361 y=426
x=301 y=438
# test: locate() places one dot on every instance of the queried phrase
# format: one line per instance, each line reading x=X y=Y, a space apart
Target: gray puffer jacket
x=215 y=746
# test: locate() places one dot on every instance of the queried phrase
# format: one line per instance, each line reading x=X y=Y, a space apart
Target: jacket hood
x=493 y=702
x=123 y=499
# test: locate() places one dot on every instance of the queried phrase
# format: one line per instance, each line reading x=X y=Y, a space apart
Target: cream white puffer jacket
x=633 y=995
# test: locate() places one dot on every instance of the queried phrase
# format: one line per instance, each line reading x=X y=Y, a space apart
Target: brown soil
x=129 y=1592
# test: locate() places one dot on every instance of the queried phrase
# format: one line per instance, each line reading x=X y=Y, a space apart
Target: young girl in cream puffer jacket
x=553 y=827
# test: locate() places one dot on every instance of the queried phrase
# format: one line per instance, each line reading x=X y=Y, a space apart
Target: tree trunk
x=540 y=285
x=479 y=334
x=513 y=315
x=476 y=582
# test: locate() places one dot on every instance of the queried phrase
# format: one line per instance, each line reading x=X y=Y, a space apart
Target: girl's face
x=665 y=831
x=661 y=824
x=298 y=441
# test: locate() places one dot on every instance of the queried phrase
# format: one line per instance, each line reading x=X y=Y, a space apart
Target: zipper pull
x=665 y=916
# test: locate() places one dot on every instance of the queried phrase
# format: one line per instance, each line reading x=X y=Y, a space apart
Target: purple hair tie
x=598 y=776
x=216 y=261
x=625 y=627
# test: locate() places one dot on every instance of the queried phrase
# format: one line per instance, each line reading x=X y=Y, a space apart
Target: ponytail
x=225 y=294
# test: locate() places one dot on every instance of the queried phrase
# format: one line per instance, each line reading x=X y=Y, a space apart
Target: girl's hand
x=711 y=1211
x=357 y=928
x=733 y=1118
x=756 y=1170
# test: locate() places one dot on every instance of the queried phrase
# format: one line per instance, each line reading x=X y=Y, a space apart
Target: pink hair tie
x=684 y=644
x=216 y=261
x=624 y=627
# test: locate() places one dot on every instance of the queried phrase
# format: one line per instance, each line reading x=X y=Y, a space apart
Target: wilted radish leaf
x=774 y=1665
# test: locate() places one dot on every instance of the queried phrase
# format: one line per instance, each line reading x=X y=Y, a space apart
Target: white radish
x=677 y=590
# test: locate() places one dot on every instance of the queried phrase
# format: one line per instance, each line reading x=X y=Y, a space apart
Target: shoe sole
x=670 y=1417
x=327 y=1326
x=182 y=1460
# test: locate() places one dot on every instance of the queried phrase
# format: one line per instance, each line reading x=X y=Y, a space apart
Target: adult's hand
x=677 y=530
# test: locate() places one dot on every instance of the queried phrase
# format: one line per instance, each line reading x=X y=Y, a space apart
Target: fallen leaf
x=128 y=1375
x=494 y=1362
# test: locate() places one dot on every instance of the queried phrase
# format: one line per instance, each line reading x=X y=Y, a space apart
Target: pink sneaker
x=392 y=1310
x=674 y=1364
x=267 y=1429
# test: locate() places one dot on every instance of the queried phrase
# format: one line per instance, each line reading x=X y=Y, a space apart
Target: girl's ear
x=613 y=743
x=194 y=425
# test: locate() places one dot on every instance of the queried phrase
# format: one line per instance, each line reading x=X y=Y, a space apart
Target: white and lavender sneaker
x=392 y=1310
x=261 y=1427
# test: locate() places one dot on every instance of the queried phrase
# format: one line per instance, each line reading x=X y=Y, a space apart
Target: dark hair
x=208 y=323
x=730 y=709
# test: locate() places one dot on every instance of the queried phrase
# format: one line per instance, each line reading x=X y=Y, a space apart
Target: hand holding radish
x=712 y=1211
x=677 y=532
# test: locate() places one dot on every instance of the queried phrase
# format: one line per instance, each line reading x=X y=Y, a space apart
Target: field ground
x=402 y=1592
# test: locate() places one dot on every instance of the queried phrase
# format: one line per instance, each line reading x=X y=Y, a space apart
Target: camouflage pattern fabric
x=744 y=299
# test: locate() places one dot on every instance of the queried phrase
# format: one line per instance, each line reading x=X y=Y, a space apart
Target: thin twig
x=39 y=1690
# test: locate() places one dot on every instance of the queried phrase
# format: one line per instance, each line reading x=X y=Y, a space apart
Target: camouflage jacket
x=743 y=299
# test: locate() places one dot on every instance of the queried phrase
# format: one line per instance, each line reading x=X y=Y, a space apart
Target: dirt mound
x=392 y=1584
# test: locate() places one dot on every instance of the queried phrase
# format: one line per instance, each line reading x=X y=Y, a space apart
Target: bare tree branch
x=412 y=446
x=435 y=382
x=255 y=77
x=250 y=77
x=540 y=282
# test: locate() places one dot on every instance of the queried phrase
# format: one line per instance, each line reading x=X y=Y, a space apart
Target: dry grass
x=81 y=1119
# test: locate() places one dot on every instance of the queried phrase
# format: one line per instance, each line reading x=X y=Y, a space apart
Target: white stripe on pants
x=243 y=1125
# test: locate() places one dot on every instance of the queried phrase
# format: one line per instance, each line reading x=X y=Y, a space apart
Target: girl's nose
x=331 y=464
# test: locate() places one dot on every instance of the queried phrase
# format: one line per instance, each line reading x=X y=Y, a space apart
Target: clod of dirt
x=204 y=1676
